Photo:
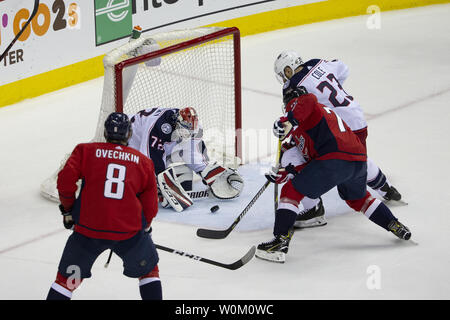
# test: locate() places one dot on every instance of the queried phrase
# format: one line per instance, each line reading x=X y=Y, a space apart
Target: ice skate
x=392 y=196
x=275 y=250
x=399 y=230
x=314 y=217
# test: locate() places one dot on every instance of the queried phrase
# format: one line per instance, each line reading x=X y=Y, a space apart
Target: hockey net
x=197 y=68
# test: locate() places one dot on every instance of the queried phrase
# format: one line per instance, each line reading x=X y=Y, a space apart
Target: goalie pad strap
x=172 y=191
x=185 y=201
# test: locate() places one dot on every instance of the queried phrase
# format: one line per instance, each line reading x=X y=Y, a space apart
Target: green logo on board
x=113 y=20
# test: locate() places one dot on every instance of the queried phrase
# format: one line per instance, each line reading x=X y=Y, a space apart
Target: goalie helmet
x=187 y=122
x=117 y=127
x=285 y=65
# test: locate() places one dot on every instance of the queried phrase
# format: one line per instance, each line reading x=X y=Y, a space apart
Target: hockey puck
x=214 y=208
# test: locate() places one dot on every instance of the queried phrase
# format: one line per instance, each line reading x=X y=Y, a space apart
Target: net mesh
x=201 y=77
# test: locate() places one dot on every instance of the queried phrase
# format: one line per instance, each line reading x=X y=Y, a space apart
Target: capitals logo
x=301 y=145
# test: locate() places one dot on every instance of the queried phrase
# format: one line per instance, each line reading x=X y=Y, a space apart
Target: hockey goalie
x=172 y=138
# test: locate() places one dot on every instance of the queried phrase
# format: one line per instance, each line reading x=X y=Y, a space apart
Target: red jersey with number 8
x=321 y=134
x=118 y=190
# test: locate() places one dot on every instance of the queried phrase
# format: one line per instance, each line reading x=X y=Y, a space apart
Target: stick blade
x=244 y=260
x=212 y=234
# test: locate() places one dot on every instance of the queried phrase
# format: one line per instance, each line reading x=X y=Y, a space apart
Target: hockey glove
x=280 y=175
x=282 y=128
x=67 y=218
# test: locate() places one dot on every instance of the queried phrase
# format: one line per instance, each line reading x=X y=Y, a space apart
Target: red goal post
x=214 y=93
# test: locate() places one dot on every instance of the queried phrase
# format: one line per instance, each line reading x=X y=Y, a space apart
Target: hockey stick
x=232 y=266
x=35 y=10
x=220 y=234
x=109 y=259
x=275 y=188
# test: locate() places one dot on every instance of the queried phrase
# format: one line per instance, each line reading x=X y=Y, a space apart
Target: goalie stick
x=220 y=234
x=232 y=266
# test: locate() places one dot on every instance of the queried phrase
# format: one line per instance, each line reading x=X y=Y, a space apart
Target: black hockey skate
x=313 y=217
x=399 y=230
x=275 y=250
x=391 y=193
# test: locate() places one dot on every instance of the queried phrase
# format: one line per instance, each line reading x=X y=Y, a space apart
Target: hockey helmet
x=117 y=127
x=291 y=93
x=286 y=59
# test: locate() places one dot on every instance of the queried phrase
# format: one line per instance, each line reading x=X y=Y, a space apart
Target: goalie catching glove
x=224 y=183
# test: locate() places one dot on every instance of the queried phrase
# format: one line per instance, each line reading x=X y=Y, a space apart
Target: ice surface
x=401 y=76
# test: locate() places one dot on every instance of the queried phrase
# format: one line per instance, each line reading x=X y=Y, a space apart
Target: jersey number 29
x=114 y=184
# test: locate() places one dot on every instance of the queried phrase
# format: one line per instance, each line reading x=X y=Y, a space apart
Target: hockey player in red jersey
x=334 y=157
x=114 y=210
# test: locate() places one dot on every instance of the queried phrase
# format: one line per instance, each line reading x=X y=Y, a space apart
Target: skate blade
x=278 y=257
x=395 y=203
x=311 y=223
x=411 y=241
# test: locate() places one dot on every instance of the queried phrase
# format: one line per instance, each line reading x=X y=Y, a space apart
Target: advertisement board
x=65 y=41
x=64 y=32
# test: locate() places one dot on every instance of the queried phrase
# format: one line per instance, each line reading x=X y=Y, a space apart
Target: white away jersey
x=324 y=79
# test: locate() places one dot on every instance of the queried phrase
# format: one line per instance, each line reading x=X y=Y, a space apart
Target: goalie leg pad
x=172 y=190
x=184 y=174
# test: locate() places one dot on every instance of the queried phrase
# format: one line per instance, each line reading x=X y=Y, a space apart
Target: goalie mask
x=187 y=122
x=285 y=65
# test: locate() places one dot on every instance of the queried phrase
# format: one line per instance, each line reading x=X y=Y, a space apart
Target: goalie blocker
x=224 y=184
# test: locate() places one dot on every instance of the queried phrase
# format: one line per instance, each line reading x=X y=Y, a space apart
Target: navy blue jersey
x=152 y=130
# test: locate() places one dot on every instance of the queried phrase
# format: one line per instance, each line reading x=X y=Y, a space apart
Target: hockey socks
x=373 y=209
x=150 y=289
x=150 y=285
x=380 y=214
x=378 y=181
x=284 y=220
x=383 y=187
x=58 y=292
x=63 y=287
